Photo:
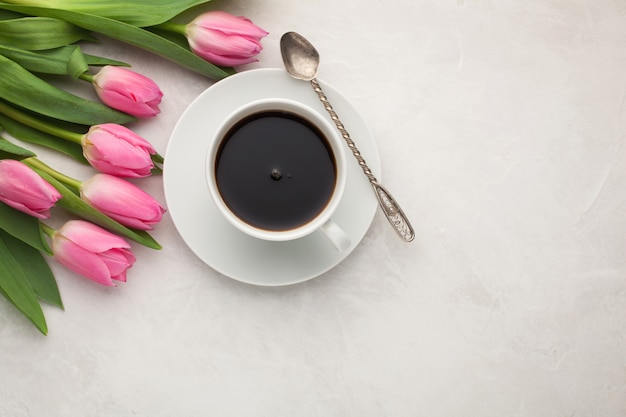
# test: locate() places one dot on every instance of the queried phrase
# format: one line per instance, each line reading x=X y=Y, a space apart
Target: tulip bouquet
x=40 y=38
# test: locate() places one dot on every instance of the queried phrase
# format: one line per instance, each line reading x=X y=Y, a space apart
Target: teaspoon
x=301 y=61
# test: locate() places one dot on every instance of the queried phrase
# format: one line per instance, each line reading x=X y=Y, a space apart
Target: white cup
x=321 y=221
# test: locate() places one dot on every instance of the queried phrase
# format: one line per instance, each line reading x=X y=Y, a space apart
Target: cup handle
x=336 y=235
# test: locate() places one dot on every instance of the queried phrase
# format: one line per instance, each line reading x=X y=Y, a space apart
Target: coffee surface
x=275 y=170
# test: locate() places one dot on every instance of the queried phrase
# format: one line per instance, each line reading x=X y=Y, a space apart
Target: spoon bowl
x=299 y=56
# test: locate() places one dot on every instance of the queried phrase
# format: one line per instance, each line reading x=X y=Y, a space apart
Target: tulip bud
x=92 y=252
x=128 y=91
x=24 y=190
x=224 y=39
x=122 y=201
x=117 y=150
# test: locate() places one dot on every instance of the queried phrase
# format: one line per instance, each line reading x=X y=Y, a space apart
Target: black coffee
x=275 y=170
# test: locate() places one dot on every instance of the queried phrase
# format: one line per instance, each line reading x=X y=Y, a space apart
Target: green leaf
x=39 y=121
x=10 y=151
x=67 y=60
x=23 y=89
x=76 y=64
x=73 y=203
x=15 y=286
x=133 y=36
x=36 y=269
x=135 y=12
x=23 y=227
x=157 y=159
x=28 y=134
x=171 y=36
x=98 y=61
x=37 y=33
x=8 y=15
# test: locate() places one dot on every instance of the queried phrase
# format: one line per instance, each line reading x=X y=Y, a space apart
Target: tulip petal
x=93 y=252
x=118 y=154
x=128 y=91
x=224 y=39
x=118 y=261
x=23 y=189
x=122 y=201
x=124 y=133
x=230 y=24
x=116 y=150
x=40 y=214
x=81 y=261
x=226 y=61
x=93 y=238
x=222 y=44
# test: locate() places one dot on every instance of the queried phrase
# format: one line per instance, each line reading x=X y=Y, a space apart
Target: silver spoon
x=301 y=61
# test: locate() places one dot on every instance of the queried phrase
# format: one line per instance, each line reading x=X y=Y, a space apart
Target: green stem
x=47 y=229
x=36 y=163
x=172 y=27
x=86 y=77
x=39 y=125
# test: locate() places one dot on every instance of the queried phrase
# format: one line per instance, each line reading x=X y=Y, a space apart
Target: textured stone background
x=501 y=127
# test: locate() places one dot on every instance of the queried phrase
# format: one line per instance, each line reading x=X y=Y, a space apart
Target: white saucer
x=219 y=244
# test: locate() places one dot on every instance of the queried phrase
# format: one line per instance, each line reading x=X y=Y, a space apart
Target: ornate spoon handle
x=392 y=210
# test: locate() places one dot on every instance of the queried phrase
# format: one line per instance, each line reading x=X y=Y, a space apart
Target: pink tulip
x=127 y=91
x=24 y=190
x=92 y=252
x=224 y=39
x=117 y=150
x=122 y=201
